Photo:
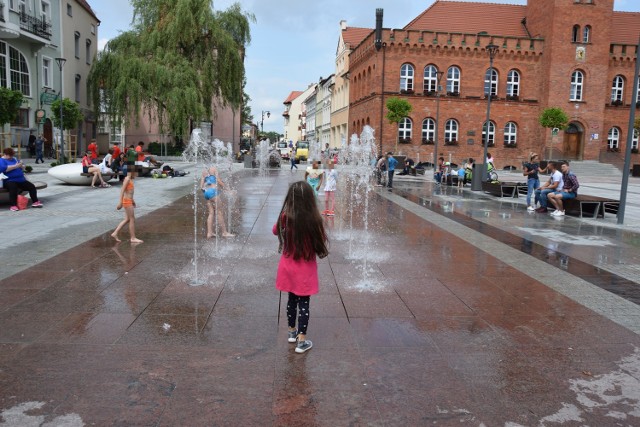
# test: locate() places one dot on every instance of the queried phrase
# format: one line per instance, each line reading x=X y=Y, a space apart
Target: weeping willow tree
x=179 y=56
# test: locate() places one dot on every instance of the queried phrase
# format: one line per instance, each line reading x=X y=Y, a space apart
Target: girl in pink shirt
x=302 y=237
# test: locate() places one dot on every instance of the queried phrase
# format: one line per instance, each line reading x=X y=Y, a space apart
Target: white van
x=283 y=148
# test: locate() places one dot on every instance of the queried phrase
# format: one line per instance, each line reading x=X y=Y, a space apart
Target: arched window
x=428 y=130
x=492 y=133
x=577 y=82
x=575 y=34
x=613 y=139
x=617 y=89
x=404 y=128
x=451 y=131
x=14 y=71
x=491 y=80
x=406 y=77
x=510 y=134
x=634 y=141
x=430 y=78
x=513 y=83
x=453 y=81
x=586 y=34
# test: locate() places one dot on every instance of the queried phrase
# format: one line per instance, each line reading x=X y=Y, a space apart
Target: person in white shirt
x=554 y=183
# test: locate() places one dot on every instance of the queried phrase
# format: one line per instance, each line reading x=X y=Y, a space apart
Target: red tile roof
x=293 y=95
x=471 y=17
x=624 y=27
x=353 y=36
x=85 y=5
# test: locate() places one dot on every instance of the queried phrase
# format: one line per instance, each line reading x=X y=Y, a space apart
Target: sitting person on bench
x=15 y=180
x=554 y=183
x=88 y=167
x=569 y=190
x=145 y=157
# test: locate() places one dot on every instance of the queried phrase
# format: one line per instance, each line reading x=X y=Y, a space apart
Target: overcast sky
x=294 y=41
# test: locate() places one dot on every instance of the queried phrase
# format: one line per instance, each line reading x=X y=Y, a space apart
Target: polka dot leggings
x=301 y=305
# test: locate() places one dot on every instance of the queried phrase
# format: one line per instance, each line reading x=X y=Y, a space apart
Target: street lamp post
x=435 y=144
x=492 y=49
x=268 y=113
x=60 y=62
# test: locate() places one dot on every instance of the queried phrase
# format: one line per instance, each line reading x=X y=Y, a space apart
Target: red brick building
x=578 y=55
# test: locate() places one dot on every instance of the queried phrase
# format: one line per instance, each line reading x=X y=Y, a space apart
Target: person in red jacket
x=302 y=238
x=93 y=147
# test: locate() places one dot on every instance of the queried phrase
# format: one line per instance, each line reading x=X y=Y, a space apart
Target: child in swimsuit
x=210 y=184
x=314 y=176
x=127 y=202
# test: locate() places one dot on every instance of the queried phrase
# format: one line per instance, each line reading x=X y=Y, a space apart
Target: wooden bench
x=591 y=206
x=502 y=189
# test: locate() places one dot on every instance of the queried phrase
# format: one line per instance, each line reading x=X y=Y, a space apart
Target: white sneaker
x=560 y=213
x=531 y=208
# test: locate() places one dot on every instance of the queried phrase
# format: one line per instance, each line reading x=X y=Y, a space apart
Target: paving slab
x=427 y=315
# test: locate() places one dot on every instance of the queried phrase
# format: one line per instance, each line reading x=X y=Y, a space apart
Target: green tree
x=397 y=109
x=178 y=57
x=71 y=114
x=246 y=117
x=553 y=117
x=10 y=101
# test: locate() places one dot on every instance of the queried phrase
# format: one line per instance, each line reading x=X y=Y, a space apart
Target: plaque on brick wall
x=470 y=141
x=581 y=53
x=471 y=133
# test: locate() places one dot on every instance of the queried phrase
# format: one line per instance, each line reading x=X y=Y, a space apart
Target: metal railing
x=38 y=26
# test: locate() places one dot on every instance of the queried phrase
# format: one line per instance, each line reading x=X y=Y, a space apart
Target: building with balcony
x=349 y=38
x=323 y=111
x=575 y=54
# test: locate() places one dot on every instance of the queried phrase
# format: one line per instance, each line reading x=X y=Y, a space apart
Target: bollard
x=476 y=177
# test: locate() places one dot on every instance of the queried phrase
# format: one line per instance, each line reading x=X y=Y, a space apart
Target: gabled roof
x=353 y=36
x=471 y=17
x=293 y=95
x=85 y=5
x=624 y=27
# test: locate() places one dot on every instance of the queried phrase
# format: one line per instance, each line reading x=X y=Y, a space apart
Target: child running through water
x=302 y=237
x=127 y=202
x=330 y=190
x=211 y=187
x=314 y=176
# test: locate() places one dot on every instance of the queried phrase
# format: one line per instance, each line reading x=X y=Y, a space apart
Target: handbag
x=22 y=202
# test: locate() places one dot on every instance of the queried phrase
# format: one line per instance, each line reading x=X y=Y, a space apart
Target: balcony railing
x=38 y=26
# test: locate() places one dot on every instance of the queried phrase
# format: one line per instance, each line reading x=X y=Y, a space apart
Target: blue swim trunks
x=210 y=193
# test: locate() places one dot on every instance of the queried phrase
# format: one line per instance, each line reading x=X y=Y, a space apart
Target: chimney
x=378 y=38
x=343 y=25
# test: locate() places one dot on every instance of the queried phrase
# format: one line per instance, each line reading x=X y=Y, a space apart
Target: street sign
x=48 y=98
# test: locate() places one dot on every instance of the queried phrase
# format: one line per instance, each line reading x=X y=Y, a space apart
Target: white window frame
x=491 y=81
x=510 y=134
x=407 y=74
x=9 y=70
x=513 y=83
x=405 y=128
x=577 y=86
x=453 y=79
x=492 y=133
x=428 y=129
x=47 y=72
x=634 y=140
x=617 y=88
x=451 y=128
x=613 y=138
x=93 y=29
x=430 y=81
x=4 y=77
x=586 y=34
x=43 y=13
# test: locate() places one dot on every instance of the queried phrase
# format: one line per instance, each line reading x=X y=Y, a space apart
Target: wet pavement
x=430 y=312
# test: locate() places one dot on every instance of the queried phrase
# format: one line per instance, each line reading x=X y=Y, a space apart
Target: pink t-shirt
x=297 y=276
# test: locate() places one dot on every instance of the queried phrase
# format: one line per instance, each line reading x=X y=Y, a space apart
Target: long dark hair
x=300 y=228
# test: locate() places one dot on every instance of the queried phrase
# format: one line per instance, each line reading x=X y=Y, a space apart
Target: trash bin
x=248 y=161
x=635 y=171
x=476 y=177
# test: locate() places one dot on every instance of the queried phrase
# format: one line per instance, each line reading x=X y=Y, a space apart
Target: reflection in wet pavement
x=440 y=332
